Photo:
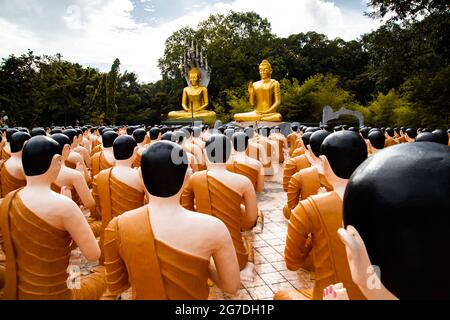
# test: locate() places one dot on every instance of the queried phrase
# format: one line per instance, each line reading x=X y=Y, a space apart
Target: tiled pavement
x=272 y=274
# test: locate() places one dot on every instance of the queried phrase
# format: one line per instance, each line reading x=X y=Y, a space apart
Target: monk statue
x=189 y=146
x=38 y=228
x=314 y=223
x=390 y=141
x=119 y=189
x=265 y=96
x=79 y=148
x=410 y=134
x=74 y=181
x=281 y=140
x=161 y=259
x=95 y=140
x=255 y=150
x=197 y=137
x=376 y=142
x=12 y=176
x=296 y=163
x=220 y=193
x=139 y=136
x=271 y=150
x=378 y=214
x=75 y=159
x=195 y=100
x=302 y=144
x=105 y=158
x=292 y=139
x=6 y=151
x=242 y=164
x=155 y=135
x=38 y=132
x=441 y=136
x=307 y=181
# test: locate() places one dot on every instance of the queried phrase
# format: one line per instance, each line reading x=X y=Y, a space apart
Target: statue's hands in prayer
x=335 y=292
x=358 y=258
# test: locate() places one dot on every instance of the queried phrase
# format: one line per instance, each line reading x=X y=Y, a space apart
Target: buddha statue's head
x=265 y=70
x=316 y=140
x=18 y=140
x=218 y=148
x=405 y=227
x=163 y=173
x=139 y=135
x=240 y=141
x=130 y=130
x=42 y=157
x=195 y=76
x=64 y=143
x=108 y=138
x=377 y=139
x=125 y=148
x=345 y=151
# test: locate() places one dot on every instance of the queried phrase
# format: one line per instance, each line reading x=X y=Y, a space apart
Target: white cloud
x=95 y=32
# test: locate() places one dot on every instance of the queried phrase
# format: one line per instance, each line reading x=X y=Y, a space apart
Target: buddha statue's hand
x=358 y=258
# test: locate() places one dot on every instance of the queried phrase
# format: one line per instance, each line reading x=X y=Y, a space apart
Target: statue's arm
x=277 y=98
x=205 y=99
x=188 y=197
x=184 y=101
x=251 y=94
x=251 y=210
x=297 y=248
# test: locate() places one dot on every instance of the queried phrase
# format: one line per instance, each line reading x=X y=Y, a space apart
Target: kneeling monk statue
x=38 y=227
x=194 y=97
x=265 y=96
x=161 y=259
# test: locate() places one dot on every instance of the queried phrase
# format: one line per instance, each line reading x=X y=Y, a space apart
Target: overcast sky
x=95 y=32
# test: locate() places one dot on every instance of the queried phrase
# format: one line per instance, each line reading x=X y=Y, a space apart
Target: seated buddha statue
x=12 y=176
x=6 y=151
x=76 y=159
x=242 y=164
x=376 y=142
x=38 y=228
x=314 y=223
x=265 y=96
x=119 y=189
x=160 y=259
x=306 y=181
x=74 y=181
x=195 y=100
x=104 y=159
x=140 y=136
x=415 y=219
x=220 y=193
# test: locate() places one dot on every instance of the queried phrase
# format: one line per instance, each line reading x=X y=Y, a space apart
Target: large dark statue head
x=38 y=132
x=390 y=132
x=364 y=132
x=294 y=128
x=316 y=140
x=441 y=136
x=123 y=147
x=240 y=141
x=56 y=130
x=218 y=148
x=399 y=202
x=377 y=139
x=9 y=134
x=345 y=151
x=71 y=134
x=305 y=138
x=411 y=132
x=108 y=138
x=38 y=154
x=18 y=139
x=62 y=139
x=139 y=135
x=426 y=137
x=163 y=167
x=154 y=133
x=130 y=130
x=168 y=136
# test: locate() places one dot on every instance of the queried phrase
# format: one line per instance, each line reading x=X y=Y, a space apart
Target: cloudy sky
x=95 y=32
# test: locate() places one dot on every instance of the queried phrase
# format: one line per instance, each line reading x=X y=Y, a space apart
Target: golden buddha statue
x=265 y=96
x=195 y=97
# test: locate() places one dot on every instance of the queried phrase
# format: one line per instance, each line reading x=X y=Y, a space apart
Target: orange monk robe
x=113 y=197
x=302 y=185
x=2 y=264
x=241 y=168
x=207 y=195
x=99 y=163
x=5 y=155
x=280 y=150
x=319 y=216
x=8 y=182
x=292 y=166
x=37 y=258
x=137 y=161
x=402 y=139
x=292 y=141
x=390 y=142
x=269 y=151
x=298 y=152
x=155 y=270
x=96 y=147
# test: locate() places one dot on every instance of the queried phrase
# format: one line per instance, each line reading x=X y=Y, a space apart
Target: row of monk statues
x=264 y=96
x=165 y=213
